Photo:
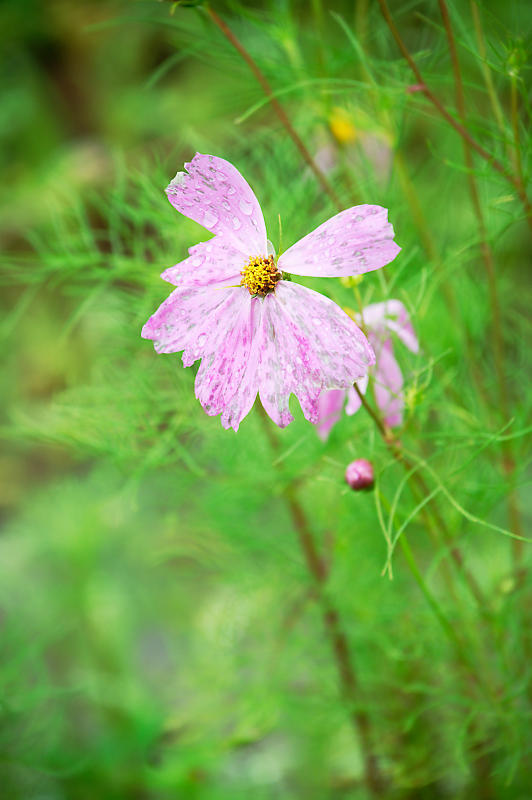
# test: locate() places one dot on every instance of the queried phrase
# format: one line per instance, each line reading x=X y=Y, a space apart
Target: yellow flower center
x=260 y=275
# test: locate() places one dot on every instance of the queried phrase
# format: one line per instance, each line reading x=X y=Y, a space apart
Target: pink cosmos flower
x=381 y=320
x=233 y=308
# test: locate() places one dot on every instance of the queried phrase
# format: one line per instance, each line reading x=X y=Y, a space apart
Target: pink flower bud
x=359 y=475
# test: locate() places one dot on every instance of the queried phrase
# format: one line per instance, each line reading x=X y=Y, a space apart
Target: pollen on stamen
x=260 y=275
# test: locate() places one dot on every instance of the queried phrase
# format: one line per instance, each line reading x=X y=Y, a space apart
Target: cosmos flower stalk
x=233 y=308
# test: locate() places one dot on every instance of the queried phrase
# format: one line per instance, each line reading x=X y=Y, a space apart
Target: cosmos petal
x=215 y=262
x=330 y=406
x=308 y=344
x=227 y=380
x=392 y=316
x=357 y=240
x=353 y=400
x=389 y=385
x=213 y=193
x=189 y=318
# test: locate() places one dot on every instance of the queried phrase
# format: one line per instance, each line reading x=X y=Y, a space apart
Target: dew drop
x=358 y=218
x=209 y=219
x=197 y=261
x=202 y=338
x=245 y=206
x=226 y=205
x=236 y=223
x=231 y=190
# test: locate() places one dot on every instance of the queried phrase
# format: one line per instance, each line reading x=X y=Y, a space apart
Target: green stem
x=433 y=603
x=414 y=478
x=492 y=94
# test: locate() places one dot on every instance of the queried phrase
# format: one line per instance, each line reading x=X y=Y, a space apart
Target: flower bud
x=359 y=475
x=351 y=280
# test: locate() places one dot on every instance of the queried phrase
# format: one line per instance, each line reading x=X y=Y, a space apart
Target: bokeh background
x=161 y=636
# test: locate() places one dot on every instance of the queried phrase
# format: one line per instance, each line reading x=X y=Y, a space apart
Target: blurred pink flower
x=254 y=330
x=381 y=320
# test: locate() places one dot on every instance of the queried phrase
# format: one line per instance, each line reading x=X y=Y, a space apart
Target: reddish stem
x=277 y=107
x=459 y=128
x=489 y=265
x=333 y=626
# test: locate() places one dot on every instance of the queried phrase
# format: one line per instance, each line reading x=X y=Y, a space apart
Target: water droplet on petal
x=231 y=190
x=209 y=219
x=358 y=218
x=236 y=223
x=245 y=206
x=202 y=338
x=226 y=205
x=197 y=261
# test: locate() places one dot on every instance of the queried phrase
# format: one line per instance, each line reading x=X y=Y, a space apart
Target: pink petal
x=227 y=380
x=308 y=344
x=389 y=385
x=215 y=194
x=329 y=410
x=353 y=400
x=189 y=318
x=392 y=316
x=213 y=262
x=357 y=240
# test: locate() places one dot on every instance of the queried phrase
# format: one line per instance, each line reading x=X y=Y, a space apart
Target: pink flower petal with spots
x=227 y=380
x=330 y=407
x=188 y=319
x=308 y=344
x=355 y=241
x=216 y=262
x=389 y=385
x=214 y=193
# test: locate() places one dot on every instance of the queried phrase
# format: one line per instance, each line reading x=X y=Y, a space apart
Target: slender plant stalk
x=474 y=677
x=515 y=180
x=515 y=127
x=415 y=479
x=317 y=568
x=496 y=106
x=276 y=105
x=433 y=603
x=489 y=265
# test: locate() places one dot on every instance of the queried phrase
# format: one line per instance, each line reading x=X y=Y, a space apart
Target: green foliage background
x=161 y=636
